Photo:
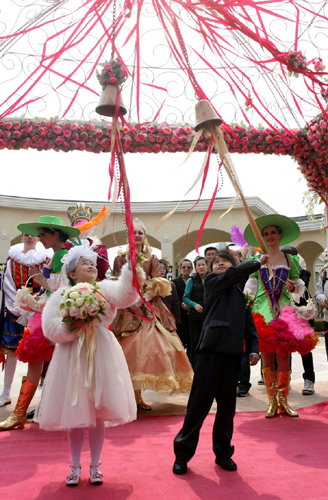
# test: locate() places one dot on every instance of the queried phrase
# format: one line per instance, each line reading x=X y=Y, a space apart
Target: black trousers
x=195 y=330
x=216 y=377
x=245 y=374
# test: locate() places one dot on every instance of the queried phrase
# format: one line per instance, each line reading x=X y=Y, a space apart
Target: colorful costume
x=16 y=277
x=112 y=397
x=154 y=353
x=279 y=327
x=34 y=345
x=281 y=330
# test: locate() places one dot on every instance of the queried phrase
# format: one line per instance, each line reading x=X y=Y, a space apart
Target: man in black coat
x=227 y=323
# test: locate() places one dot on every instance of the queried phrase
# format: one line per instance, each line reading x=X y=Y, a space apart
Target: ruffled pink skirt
x=34 y=344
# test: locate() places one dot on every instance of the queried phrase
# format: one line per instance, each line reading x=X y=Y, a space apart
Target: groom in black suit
x=228 y=322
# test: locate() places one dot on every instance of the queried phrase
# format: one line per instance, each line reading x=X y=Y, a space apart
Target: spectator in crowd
x=180 y=283
x=321 y=296
x=171 y=301
x=307 y=359
x=194 y=299
x=210 y=253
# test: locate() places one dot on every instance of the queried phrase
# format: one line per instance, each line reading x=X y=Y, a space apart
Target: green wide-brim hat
x=289 y=228
x=48 y=221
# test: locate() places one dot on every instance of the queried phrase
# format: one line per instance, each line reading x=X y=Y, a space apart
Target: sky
x=84 y=176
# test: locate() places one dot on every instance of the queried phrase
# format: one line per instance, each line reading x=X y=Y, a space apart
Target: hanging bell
x=107 y=102
x=205 y=113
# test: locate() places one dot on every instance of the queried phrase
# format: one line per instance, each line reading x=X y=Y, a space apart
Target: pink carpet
x=279 y=459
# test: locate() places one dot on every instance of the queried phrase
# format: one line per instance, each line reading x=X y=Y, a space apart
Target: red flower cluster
x=308 y=146
x=278 y=336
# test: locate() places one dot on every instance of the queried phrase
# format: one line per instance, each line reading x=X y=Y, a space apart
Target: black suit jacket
x=227 y=321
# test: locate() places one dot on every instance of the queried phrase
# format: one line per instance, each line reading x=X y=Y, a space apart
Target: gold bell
x=205 y=113
x=107 y=103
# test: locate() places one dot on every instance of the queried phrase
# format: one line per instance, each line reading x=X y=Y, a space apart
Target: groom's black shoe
x=226 y=464
x=180 y=467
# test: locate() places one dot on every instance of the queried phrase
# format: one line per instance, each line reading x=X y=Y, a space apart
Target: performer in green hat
x=34 y=348
x=272 y=291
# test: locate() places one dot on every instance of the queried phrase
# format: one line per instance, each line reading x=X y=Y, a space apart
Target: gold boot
x=141 y=405
x=269 y=377
x=283 y=391
x=18 y=416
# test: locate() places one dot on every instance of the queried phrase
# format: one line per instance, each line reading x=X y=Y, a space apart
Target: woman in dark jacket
x=171 y=301
x=194 y=299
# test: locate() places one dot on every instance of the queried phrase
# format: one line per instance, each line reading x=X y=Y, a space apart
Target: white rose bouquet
x=82 y=302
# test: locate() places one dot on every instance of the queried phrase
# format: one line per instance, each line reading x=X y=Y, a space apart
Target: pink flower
x=180 y=130
x=159 y=138
x=112 y=80
x=248 y=101
x=164 y=148
x=3 y=144
x=142 y=149
x=237 y=128
x=261 y=147
x=244 y=142
x=17 y=134
x=126 y=129
x=43 y=131
x=84 y=136
x=175 y=139
x=167 y=130
x=89 y=127
x=7 y=135
x=128 y=141
x=182 y=138
x=188 y=130
x=59 y=140
x=99 y=133
x=318 y=66
x=104 y=143
x=178 y=147
x=17 y=125
x=108 y=67
x=149 y=149
x=74 y=126
x=151 y=138
x=27 y=142
x=109 y=126
x=9 y=125
x=74 y=145
x=82 y=146
x=236 y=143
x=67 y=133
x=152 y=129
x=57 y=130
x=269 y=139
x=141 y=137
x=157 y=148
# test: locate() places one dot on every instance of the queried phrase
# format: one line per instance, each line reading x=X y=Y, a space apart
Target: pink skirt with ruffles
x=34 y=345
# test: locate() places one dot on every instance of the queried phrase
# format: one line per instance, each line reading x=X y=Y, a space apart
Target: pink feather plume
x=237 y=236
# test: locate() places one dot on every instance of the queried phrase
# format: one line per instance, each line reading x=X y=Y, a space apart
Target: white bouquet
x=82 y=302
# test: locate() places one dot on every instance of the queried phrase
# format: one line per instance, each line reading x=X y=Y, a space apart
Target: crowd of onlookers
x=186 y=303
